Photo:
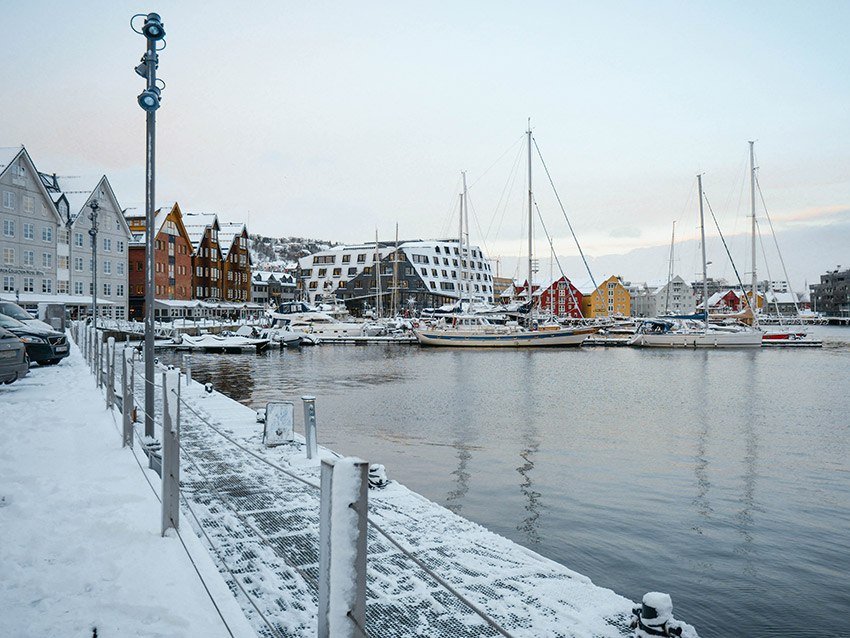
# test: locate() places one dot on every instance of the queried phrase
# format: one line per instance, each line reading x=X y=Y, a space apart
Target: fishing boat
x=693 y=333
x=460 y=330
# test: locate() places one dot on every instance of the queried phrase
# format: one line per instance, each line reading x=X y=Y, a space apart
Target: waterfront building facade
x=560 y=297
x=427 y=274
x=207 y=280
x=831 y=296
x=662 y=297
x=172 y=259
x=29 y=235
x=235 y=260
x=273 y=288
x=610 y=299
x=75 y=243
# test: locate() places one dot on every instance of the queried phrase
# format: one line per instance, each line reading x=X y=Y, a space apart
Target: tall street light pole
x=94 y=205
x=149 y=100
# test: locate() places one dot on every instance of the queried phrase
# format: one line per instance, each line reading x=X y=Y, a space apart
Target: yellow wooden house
x=610 y=299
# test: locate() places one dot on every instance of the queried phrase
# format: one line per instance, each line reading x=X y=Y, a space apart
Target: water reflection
x=701 y=501
x=454 y=499
x=530 y=445
x=746 y=524
x=529 y=525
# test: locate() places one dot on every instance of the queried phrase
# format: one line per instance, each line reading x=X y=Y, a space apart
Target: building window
x=8 y=283
x=8 y=200
x=47 y=234
x=107 y=243
x=78 y=287
x=9 y=227
x=46 y=260
x=119 y=290
x=29 y=284
x=47 y=285
x=29 y=258
x=28 y=204
x=78 y=264
x=107 y=290
x=29 y=231
x=120 y=245
x=121 y=268
x=107 y=268
x=62 y=287
x=9 y=256
x=361 y=258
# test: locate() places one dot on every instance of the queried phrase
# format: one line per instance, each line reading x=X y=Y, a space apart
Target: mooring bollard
x=342 y=548
x=310 y=434
x=170 y=450
x=110 y=373
x=127 y=403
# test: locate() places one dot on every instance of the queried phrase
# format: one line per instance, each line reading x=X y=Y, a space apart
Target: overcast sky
x=336 y=119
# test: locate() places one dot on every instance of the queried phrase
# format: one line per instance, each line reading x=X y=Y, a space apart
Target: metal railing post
x=170 y=450
x=127 y=405
x=188 y=363
x=110 y=373
x=310 y=435
x=99 y=359
x=342 y=547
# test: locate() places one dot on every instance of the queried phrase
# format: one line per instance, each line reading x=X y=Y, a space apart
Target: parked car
x=45 y=347
x=13 y=310
x=14 y=362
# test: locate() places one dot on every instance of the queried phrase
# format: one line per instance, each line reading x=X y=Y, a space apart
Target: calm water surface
x=721 y=477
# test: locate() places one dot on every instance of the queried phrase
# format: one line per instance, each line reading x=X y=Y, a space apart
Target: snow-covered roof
x=227 y=232
x=196 y=225
x=7 y=156
x=781 y=297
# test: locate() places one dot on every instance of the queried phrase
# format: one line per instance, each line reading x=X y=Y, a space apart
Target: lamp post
x=149 y=100
x=94 y=205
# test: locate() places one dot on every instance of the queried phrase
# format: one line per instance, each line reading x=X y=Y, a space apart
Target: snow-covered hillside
x=282 y=253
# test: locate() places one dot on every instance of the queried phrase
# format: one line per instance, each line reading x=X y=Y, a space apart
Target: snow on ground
x=80 y=542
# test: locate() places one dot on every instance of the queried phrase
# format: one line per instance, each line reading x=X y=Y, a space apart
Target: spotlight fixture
x=153 y=29
x=149 y=99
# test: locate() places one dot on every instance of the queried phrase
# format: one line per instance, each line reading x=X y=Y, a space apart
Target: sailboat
x=468 y=330
x=672 y=333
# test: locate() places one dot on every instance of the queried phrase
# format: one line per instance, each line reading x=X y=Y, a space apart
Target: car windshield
x=14 y=310
x=8 y=322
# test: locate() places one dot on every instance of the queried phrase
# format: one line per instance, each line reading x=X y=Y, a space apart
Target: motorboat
x=219 y=343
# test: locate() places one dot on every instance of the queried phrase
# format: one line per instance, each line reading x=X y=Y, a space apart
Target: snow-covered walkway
x=80 y=543
x=263 y=526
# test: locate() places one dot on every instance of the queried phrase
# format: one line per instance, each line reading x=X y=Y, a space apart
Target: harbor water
x=721 y=476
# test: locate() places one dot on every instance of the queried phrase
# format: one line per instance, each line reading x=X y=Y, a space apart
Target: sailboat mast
x=704 y=265
x=530 y=200
x=395 y=295
x=464 y=217
x=378 y=308
x=670 y=272
x=753 y=294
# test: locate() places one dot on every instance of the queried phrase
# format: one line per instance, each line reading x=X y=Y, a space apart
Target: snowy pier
x=256 y=509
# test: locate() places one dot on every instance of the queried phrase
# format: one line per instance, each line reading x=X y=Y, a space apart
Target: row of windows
x=9 y=229
x=10 y=284
x=423 y=259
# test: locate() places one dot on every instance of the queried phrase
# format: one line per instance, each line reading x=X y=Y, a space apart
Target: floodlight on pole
x=149 y=100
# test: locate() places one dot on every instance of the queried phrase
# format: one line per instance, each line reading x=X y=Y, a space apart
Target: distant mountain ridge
x=282 y=253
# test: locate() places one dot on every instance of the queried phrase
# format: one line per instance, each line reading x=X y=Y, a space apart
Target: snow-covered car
x=14 y=362
x=45 y=347
x=13 y=310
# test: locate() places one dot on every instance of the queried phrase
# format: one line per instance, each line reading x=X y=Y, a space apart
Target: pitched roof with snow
x=196 y=226
x=228 y=231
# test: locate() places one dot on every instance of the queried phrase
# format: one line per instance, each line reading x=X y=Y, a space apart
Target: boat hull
x=698 y=340
x=517 y=339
